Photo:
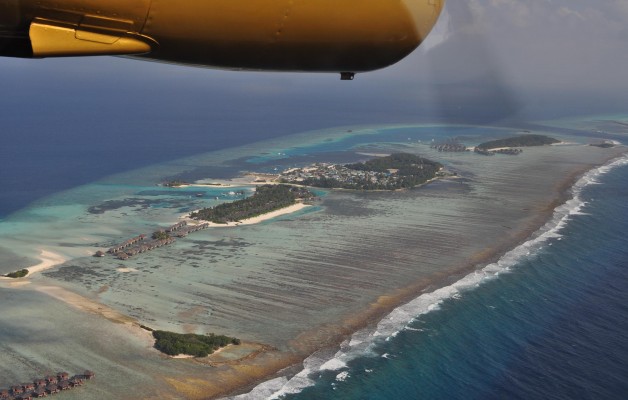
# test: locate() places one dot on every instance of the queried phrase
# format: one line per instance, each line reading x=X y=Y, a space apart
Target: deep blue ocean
x=552 y=324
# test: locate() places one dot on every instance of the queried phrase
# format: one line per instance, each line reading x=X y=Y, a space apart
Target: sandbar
x=48 y=260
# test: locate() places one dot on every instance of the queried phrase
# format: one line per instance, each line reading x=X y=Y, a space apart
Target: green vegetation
x=397 y=171
x=160 y=235
x=194 y=345
x=407 y=164
x=18 y=274
x=519 y=141
x=267 y=198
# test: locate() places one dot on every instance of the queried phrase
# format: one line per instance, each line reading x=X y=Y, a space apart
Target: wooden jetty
x=191 y=229
x=152 y=245
x=176 y=227
x=50 y=385
x=139 y=244
x=124 y=245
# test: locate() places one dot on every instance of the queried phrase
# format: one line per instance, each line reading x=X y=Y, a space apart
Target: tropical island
x=519 y=141
x=175 y=183
x=603 y=145
x=267 y=198
x=396 y=171
x=190 y=344
x=18 y=274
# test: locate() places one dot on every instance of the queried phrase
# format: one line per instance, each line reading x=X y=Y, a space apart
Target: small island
x=603 y=145
x=397 y=171
x=190 y=344
x=519 y=141
x=175 y=183
x=18 y=274
x=267 y=198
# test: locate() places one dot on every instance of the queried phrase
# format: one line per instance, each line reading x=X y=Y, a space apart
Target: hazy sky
x=486 y=60
x=514 y=50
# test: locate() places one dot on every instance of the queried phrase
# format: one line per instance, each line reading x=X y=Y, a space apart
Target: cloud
x=480 y=49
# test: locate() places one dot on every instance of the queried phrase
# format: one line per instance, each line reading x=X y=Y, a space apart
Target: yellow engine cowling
x=294 y=35
x=281 y=35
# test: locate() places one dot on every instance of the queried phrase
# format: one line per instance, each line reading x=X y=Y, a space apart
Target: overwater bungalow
x=17 y=390
x=74 y=382
x=176 y=227
x=28 y=387
x=51 y=379
x=124 y=245
x=63 y=376
x=64 y=385
x=52 y=389
x=39 y=382
x=132 y=252
x=89 y=374
x=39 y=393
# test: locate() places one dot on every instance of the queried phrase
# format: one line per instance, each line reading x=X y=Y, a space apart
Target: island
x=519 y=141
x=396 y=171
x=18 y=274
x=603 y=145
x=267 y=198
x=190 y=344
x=175 y=183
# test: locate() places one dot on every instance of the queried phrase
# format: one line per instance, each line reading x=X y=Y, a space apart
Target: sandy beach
x=48 y=260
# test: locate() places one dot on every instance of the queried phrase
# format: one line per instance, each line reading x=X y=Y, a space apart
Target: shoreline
x=308 y=343
x=48 y=260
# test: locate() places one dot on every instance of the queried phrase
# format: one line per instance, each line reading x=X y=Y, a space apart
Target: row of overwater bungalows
x=138 y=244
x=49 y=385
x=124 y=245
x=183 y=232
x=143 y=248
